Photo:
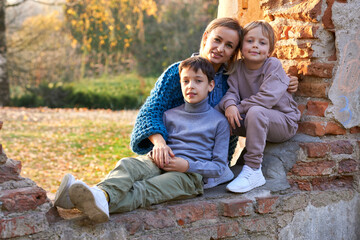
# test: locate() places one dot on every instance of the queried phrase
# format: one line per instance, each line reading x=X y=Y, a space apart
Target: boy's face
x=255 y=48
x=195 y=86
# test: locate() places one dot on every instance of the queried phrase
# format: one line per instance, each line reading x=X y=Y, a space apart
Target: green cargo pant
x=138 y=182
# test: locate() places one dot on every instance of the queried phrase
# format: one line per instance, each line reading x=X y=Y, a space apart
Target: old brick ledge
x=259 y=214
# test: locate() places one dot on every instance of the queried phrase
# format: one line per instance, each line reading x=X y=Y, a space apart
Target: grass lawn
x=52 y=142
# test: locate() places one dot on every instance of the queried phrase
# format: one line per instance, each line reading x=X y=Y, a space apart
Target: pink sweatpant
x=261 y=125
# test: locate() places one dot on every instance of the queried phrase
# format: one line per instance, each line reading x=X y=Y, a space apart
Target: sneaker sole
x=84 y=200
x=236 y=190
x=61 y=192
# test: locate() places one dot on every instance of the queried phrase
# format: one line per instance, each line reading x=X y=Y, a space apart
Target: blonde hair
x=231 y=23
x=267 y=31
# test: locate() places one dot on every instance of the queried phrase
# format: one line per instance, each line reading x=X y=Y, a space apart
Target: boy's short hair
x=196 y=63
x=267 y=31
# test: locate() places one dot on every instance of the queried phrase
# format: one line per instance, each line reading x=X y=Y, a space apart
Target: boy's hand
x=233 y=116
x=177 y=164
x=161 y=152
x=293 y=85
x=161 y=155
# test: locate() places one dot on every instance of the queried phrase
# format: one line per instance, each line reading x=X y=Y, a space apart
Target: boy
x=198 y=138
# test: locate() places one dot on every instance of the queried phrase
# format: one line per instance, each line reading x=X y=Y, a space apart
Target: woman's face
x=220 y=45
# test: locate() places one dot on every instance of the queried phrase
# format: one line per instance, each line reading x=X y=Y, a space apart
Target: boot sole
x=61 y=192
x=84 y=200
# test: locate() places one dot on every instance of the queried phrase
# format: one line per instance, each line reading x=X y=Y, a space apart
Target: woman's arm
x=165 y=95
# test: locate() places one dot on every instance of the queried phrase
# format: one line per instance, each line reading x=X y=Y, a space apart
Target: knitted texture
x=165 y=95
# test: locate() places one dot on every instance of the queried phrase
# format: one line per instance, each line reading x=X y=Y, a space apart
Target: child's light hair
x=231 y=23
x=267 y=31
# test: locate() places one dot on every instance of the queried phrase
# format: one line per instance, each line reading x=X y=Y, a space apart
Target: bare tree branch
x=53 y=3
x=14 y=4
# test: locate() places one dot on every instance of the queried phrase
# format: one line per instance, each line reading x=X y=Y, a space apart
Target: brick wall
x=321 y=163
x=307 y=48
x=23 y=205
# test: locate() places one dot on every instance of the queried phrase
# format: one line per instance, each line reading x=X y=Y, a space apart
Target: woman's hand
x=177 y=164
x=293 y=85
x=233 y=116
x=161 y=152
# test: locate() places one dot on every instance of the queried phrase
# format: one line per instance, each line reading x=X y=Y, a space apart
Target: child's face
x=195 y=86
x=255 y=48
x=220 y=45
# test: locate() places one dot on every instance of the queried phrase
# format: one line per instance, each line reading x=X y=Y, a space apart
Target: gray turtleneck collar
x=199 y=107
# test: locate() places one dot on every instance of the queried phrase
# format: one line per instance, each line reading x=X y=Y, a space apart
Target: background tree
x=4 y=81
x=173 y=34
x=39 y=50
x=104 y=29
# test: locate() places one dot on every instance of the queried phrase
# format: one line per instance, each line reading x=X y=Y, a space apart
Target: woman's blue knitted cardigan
x=165 y=95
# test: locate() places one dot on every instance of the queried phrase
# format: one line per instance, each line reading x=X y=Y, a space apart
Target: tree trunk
x=4 y=81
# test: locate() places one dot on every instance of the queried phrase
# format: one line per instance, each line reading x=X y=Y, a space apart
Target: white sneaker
x=225 y=177
x=90 y=200
x=62 y=198
x=247 y=180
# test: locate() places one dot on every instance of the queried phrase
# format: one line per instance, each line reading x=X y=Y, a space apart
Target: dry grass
x=52 y=142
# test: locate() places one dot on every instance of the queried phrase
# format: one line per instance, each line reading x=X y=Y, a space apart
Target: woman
x=220 y=44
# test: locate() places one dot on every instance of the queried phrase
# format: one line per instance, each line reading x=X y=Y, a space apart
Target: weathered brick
x=321 y=128
x=208 y=231
x=316 y=69
x=132 y=222
x=348 y=166
x=307 y=11
x=355 y=130
x=191 y=212
x=266 y=204
x=316 y=108
x=290 y=69
x=23 y=199
x=327 y=183
x=315 y=150
x=313 y=89
x=312 y=128
x=302 y=108
x=158 y=219
x=293 y=202
x=297 y=32
x=318 y=168
x=237 y=207
x=341 y=147
x=225 y=230
x=261 y=224
x=303 y=185
x=333 y=128
x=327 y=17
x=10 y=171
x=301 y=51
x=22 y=225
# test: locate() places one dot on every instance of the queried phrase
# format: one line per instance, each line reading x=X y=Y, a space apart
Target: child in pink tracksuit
x=257 y=104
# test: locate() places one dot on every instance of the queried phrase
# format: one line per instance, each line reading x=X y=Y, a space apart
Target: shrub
x=122 y=92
